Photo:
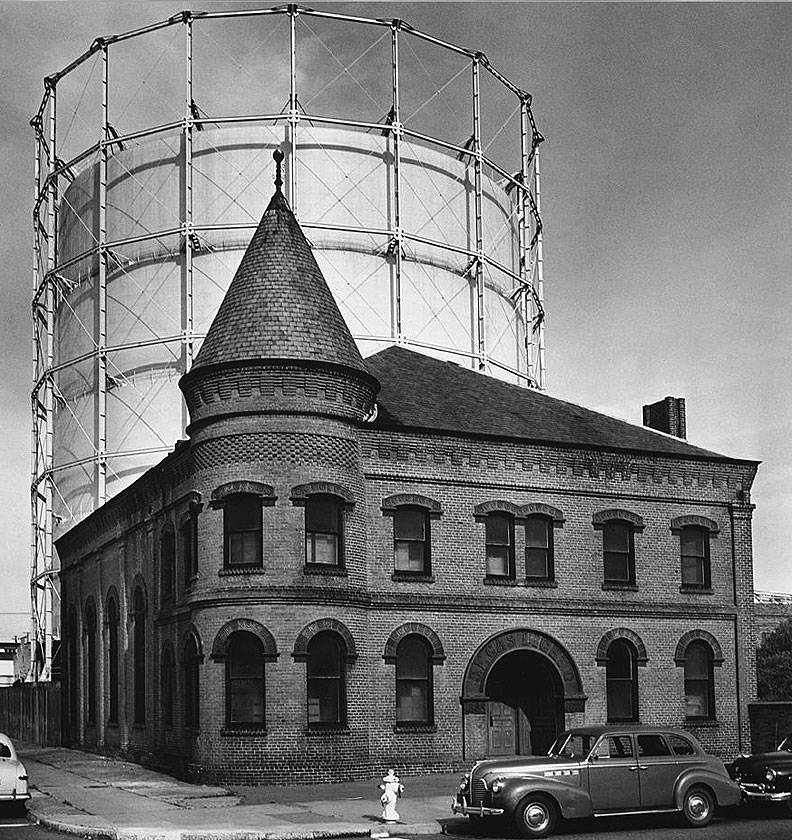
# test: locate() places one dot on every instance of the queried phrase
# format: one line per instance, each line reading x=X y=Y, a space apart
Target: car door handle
x=632 y=769
x=643 y=766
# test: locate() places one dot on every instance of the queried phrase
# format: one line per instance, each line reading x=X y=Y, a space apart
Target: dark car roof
x=639 y=729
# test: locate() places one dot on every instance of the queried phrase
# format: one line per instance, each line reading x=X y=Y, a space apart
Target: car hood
x=523 y=764
x=777 y=760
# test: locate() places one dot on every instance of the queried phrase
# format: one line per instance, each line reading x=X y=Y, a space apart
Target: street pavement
x=94 y=796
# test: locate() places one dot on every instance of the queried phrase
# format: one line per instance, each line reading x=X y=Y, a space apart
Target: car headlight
x=464 y=783
x=770 y=774
x=497 y=786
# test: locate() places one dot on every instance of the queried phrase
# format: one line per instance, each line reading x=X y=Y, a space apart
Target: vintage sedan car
x=766 y=777
x=600 y=771
x=13 y=776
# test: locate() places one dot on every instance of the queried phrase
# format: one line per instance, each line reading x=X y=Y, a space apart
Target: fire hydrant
x=392 y=789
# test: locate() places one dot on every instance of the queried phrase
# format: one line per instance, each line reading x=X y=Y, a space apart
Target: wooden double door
x=525 y=704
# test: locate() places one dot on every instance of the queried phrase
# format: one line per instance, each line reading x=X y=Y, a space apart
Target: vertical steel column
x=187 y=288
x=542 y=384
x=396 y=134
x=101 y=291
x=481 y=350
x=293 y=115
x=525 y=274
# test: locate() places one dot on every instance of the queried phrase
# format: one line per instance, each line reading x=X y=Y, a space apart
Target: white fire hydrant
x=391 y=789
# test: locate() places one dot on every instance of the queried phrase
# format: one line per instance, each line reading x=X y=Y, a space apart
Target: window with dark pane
x=617 y=540
x=167 y=565
x=191 y=660
x=242 y=522
x=414 y=681
x=622 y=682
x=90 y=666
x=539 y=547
x=326 y=700
x=112 y=661
x=323 y=530
x=411 y=540
x=699 y=683
x=188 y=538
x=74 y=676
x=244 y=681
x=167 y=687
x=139 y=656
x=500 y=545
x=694 y=546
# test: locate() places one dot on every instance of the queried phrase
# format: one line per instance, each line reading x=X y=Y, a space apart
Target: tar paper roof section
x=419 y=392
x=278 y=306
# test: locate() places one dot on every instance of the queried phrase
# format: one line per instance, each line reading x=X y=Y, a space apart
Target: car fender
x=725 y=790
x=573 y=800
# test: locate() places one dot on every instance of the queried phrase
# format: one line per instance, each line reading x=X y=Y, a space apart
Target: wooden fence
x=32 y=712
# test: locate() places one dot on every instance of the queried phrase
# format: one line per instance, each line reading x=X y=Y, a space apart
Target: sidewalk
x=93 y=796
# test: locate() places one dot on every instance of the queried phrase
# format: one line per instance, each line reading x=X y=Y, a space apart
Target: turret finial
x=278 y=155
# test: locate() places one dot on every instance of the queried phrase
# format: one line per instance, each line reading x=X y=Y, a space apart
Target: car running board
x=640 y=811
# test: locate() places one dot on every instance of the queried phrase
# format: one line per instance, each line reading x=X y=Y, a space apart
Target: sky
x=666 y=184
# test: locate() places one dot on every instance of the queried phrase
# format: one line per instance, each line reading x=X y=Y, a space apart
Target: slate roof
x=419 y=392
x=278 y=306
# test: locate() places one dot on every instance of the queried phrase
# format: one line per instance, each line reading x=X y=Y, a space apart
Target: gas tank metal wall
x=344 y=203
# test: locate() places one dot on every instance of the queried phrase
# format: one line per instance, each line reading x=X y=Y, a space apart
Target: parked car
x=600 y=771
x=766 y=777
x=13 y=776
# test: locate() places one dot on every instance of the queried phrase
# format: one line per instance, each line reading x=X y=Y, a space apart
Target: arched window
x=139 y=654
x=622 y=681
x=167 y=565
x=74 y=676
x=694 y=546
x=112 y=661
x=500 y=545
x=539 y=561
x=242 y=525
x=414 y=699
x=411 y=540
x=188 y=540
x=90 y=665
x=326 y=689
x=244 y=681
x=190 y=661
x=324 y=530
x=619 y=551
x=699 y=682
x=167 y=687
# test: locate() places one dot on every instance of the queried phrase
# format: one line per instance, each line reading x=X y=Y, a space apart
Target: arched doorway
x=520 y=689
x=525 y=704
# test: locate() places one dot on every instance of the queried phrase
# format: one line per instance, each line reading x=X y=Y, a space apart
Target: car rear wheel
x=536 y=816
x=698 y=806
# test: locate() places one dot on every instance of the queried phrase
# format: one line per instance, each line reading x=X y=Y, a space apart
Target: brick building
x=352 y=564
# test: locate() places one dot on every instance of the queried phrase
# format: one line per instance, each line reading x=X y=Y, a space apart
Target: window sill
x=701 y=723
x=696 y=590
x=541 y=583
x=403 y=577
x=416 y=728
x=328 y=571
x=327 y=731
x=240 y=571
x=242 y=731
x=623 y=587
x=499 y=580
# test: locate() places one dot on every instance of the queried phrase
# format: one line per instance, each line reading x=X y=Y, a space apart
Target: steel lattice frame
x=49 y=283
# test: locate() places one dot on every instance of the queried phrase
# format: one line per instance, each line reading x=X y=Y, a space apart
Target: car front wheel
x=536 y=816
x=698 y=806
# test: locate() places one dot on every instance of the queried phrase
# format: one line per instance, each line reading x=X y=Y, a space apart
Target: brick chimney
x=667 y=415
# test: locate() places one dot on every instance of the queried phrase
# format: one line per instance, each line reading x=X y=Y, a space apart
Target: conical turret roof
x=278 y=305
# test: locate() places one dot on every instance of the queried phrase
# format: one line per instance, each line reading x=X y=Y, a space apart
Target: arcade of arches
x=521 y=688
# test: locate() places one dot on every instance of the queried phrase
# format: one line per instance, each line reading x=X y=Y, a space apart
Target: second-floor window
x=167 y=565
x=694 y=548
x=242 y=524
x=619 y=551
x=188 y=537
x=539 y=548
x=324 y=530
x=500 y=545
x=411 y=540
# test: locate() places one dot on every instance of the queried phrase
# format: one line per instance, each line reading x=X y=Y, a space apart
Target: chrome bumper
x=756 y=793
x=459 y=806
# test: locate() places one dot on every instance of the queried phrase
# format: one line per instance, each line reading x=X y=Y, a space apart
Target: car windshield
x=573 y=745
